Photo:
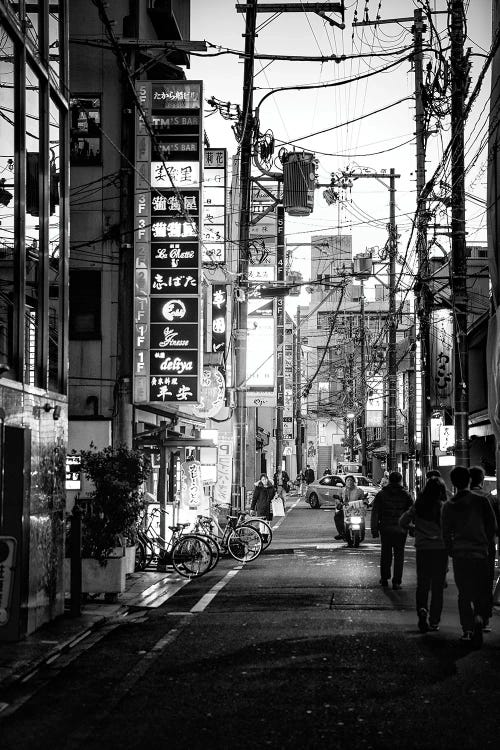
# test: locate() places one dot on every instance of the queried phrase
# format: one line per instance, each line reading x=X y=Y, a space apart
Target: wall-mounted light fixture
x=57 y=410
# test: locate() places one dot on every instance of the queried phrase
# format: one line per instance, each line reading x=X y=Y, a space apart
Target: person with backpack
x=388 y=506
x=469 y=525
x=431 y=555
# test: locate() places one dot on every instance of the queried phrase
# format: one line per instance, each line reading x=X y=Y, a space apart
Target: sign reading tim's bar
x=167 y=303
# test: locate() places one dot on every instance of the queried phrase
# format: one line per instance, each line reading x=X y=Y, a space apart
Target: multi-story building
x=34 y=221
x=338 y=325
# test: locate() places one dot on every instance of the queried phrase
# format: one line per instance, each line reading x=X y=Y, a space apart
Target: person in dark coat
x=469 y=525
x=388 y=506
x=431 y=554
x=309 y=474
x=476 y=485
x=262 y=498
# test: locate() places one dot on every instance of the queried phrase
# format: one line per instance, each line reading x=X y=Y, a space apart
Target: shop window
x=84 y=304
x=86 y=140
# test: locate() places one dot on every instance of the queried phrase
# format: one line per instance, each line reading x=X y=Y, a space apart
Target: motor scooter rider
x=353 y=498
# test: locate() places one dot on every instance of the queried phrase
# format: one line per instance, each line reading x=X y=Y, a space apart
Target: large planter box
x=97 y=578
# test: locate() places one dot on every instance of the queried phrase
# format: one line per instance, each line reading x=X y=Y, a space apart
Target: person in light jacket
x=262 y=498
x=353 y=496
x=431 y=554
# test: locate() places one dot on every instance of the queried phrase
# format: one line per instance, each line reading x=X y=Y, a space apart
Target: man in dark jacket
x=309 y=474
x=468 y=525
x=388 y=506
x=476 y=485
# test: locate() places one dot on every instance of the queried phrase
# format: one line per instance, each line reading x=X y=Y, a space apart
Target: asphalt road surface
x=299 y=649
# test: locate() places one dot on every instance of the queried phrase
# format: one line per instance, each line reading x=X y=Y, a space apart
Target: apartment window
x=84 y=304
x=86 y=145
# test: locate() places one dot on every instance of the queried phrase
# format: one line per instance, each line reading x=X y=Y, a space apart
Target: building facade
x=34 y=221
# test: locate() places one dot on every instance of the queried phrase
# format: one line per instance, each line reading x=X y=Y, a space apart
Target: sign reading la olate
x=167 y=296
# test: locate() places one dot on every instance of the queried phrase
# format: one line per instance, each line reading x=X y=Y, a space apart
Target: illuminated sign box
x=167 y=253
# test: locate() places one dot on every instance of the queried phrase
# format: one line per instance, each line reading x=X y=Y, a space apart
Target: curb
x=24 y=673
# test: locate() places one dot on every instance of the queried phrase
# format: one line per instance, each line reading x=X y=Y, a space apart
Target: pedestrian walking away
x=309 y=474
x=476 y=485
x=388 y=506
x=431 y=555
x=353 y=496
x=262 y=498
x=469 y=525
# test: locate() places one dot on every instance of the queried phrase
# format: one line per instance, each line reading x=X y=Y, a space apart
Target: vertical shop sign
x=222 y=488
x=167 y=288
x=214 y=205
x=280 y=310
x=441 y=359
x=219 y=318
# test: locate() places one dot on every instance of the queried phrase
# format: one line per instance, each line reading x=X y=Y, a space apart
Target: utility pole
x=424 y=298
x=241 y=308
x=362 y=416
x=391 y=353
x=458 y=246
x=392 y=244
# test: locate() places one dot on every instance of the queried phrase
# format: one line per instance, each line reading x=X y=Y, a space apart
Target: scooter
x=354 y=524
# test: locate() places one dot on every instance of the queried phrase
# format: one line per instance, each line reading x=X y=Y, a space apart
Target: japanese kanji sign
x=214 y=205
x=167 y=288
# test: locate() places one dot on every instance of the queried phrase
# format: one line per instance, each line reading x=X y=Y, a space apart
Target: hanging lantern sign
x=212 y=393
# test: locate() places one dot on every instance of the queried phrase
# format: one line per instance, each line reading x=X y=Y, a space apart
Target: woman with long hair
x=432 y=557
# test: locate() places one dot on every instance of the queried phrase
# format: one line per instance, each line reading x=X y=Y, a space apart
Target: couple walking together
x=462 y=527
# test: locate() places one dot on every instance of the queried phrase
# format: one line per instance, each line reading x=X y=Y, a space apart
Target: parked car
x=328 y=490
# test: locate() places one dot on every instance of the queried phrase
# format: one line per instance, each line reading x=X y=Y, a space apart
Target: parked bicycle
x=244 y=543
x=259 y=523
x=190 y=554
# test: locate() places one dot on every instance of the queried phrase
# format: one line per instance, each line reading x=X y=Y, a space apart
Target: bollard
x=76 y=561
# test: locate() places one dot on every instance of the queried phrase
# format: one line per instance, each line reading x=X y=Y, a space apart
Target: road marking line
x=207 y=598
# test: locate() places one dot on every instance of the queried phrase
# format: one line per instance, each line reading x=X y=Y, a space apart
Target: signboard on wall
x=167 y=252
x=214 y=205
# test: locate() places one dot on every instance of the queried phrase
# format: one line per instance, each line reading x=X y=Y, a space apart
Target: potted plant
x=110 y=515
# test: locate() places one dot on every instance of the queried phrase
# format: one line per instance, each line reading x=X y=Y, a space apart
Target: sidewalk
x=19 y=660
x=146 y=589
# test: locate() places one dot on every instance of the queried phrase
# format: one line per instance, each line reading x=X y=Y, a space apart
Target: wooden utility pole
x=362 y=416
x=458 y=245
x=241 y=307
x=393 y=325
x=424 y=298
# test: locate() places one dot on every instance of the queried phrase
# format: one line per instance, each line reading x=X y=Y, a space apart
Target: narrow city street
x=301 y=648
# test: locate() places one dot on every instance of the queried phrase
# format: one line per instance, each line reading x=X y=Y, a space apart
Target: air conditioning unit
x=299 y=179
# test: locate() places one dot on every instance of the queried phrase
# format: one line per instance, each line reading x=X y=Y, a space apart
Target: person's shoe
x=433 y=627
x=384 y=582
x=396 y=587
x=486 y=626
x=338 y=537
x=477 y=633
x=466 y=637
x=423 y=625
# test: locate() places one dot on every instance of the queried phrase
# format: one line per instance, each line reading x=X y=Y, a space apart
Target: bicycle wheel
x=214 y=548
x=191 y=556
x=263 y=528
x=244 y=543
x=140 y=556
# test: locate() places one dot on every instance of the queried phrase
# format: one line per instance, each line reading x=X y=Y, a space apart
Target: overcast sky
x=381 y=141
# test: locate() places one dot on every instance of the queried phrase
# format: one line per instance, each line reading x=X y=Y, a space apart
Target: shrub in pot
x=113 y=508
